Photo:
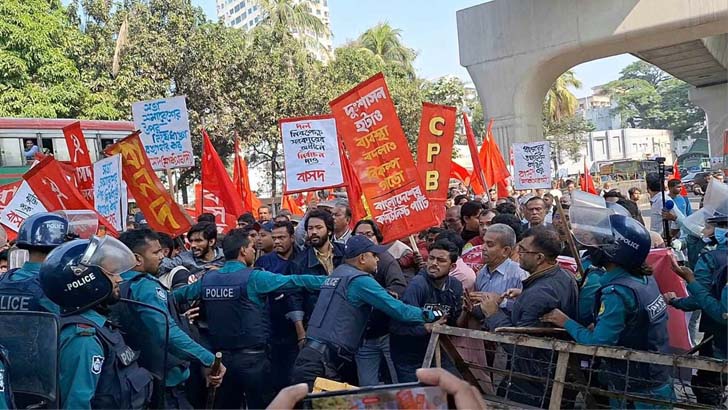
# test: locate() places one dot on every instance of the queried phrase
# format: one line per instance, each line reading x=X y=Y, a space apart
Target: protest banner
x=7 y=192
x=434 y=150
x=217 y=183
x=367 y=122
x=53 y=187
x=108 y=190
x=163 y=214
x=532 y=165
x=165 y=132
x=80 y=159
x=22 y=205
x=660 y=260
x=311 y=153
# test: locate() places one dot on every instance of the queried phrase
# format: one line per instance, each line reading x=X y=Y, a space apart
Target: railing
x=565 y=374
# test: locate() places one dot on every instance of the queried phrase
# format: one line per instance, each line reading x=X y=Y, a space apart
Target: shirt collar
x=499 y=269
x=657 y=196
x=347 y=232
x=32 y=266
x=95 y=317
x=232 y=266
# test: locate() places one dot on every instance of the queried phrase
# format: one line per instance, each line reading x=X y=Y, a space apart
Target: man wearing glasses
x=547 y=286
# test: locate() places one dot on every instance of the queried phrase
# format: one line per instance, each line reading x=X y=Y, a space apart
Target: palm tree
x=385 y=42
x=289 y=17
x=560 y=102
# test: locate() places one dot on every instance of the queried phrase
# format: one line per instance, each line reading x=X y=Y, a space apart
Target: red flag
x=80 y=159
x=55 y=191
x=496 y=165
x=459 y=172
x=587 y=183
x=477 y=178
x=290 y=204
x=241 y=181
x=434 y=148
x=162 y=213
x=676 y=175
x=7 y=192
x=353 y=186
x=217 y=183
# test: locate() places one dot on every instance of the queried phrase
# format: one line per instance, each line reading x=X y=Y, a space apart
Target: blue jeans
x=369 y=357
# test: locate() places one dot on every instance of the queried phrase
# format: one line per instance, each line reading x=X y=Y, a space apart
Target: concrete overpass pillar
x=714 y=101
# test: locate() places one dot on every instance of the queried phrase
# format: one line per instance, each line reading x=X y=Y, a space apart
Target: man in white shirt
x=655 y=188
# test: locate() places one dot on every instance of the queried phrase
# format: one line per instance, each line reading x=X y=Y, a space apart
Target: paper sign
x=367 y=122
x=165 y=132
x=24 y=204
x=7 y=192
x=532 y=163
x=311 y=153
x=108 y=192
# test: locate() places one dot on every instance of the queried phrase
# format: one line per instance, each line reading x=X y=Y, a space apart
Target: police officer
x=6 y=393
x=238 y=320
x=629 y=311
x=142 y=285
x=341 y=313
x=97 y=369
x=20 y=288
x=706 y=288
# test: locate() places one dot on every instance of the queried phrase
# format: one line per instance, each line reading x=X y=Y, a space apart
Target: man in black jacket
x=433 y=289
x=375 y=345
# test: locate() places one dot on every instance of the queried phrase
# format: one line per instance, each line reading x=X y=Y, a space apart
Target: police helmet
x=631 y=242
x=42 y=231
x=74 y=275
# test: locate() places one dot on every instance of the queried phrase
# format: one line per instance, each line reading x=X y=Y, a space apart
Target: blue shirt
x=704 y=276
x=30 y=153
x=148 y=290
x=79 y=355
x=29 y=270
x=507 y=275
x=587 y=293
x=612 y=316
x=365 y=290
x=260 y=283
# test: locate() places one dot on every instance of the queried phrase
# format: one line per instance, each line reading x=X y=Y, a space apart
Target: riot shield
x=591 y=225
x=31 y=340
x=135 y=319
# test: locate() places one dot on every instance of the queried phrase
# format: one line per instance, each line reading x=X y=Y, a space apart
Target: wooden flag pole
x=570 y=238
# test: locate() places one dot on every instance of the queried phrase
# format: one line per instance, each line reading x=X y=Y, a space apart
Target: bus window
x=105 y=142
x=47 y=145
x=11 y=153
x=92 y=149
x=60 y=151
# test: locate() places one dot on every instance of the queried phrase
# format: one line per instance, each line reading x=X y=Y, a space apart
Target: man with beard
x=97 y=369
x=452 y=219
x=437 y=290
x=203 y=254
x=319 y=257
x=284 y=330
x=141 y=284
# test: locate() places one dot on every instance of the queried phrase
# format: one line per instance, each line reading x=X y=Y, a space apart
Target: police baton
x=210 y=403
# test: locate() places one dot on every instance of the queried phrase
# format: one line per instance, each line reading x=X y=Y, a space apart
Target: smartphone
x=393 y=396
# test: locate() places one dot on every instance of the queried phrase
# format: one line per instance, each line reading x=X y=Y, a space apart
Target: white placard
x=24 y=204
x=532 y=165
x=108 y=190
x=165 y=131
x=311 y=154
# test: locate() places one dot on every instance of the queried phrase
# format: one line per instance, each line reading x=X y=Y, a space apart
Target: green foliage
x=567 y=137
x=647 y=97
x=560 y=102
x=385 y=43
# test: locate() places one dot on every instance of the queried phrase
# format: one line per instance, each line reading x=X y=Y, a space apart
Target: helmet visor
x=618 y=209
x=716 y=197
x=585 y=199
x=109 y=254
x=591 y=225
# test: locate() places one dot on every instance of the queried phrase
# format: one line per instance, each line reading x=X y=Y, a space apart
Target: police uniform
x=630 y=312
x=339 y=319
x=98 y=370
x=179 y=347
x=20 y=290
x=6 y=394
x=239 y=326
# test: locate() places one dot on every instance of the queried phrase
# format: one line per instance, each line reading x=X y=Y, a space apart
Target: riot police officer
x=20 y=288
x=629 y=310
x=97 y=369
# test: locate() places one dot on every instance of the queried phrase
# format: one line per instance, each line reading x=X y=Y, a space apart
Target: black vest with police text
x=233 y=320
x=646 y=329
x=20 y=295
x=334 y=320
x=122 y=383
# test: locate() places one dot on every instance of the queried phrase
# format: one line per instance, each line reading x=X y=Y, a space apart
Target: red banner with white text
x=367 y=122
x=434 y=152
x=80 y=159
x=162 y=213
x=56 y=192
x=226 y=204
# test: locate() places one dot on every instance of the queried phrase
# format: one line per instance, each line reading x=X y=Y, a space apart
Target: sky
x=429 y=27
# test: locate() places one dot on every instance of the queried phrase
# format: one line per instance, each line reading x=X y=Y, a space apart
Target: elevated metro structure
x=515 y=49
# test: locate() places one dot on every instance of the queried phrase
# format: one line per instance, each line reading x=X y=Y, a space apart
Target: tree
x=288 y=17
x=560 y=102
x=566 y=136
x=385 y=42
x=450 y=90
x=38 y=77
x=648 y=97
